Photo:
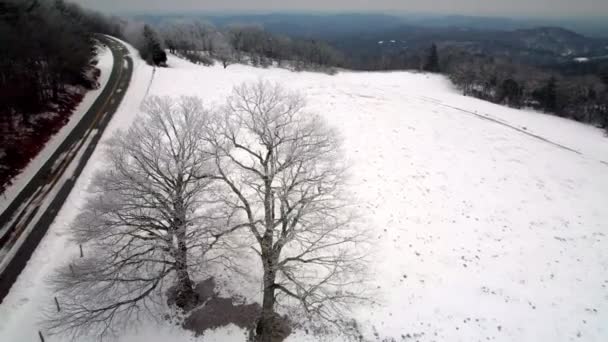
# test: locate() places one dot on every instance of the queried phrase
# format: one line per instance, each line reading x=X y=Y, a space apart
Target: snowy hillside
x=490 y=223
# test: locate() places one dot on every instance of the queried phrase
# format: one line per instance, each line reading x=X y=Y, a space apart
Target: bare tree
x=187 y=35
x=151 y=219
x=286 y=173
x=222 y=49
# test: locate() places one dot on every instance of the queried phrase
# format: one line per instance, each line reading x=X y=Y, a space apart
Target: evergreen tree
x=604 y=77
x=510 y=92
x=547 y=96
x=551 y=95
x=432 y=61
x=152 y=50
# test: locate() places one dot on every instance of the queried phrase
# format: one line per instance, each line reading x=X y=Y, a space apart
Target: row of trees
x=246 y=44
x=501 y=80
x=185 y=183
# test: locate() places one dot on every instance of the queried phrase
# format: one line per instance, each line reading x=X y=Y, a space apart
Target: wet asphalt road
x=21 y=225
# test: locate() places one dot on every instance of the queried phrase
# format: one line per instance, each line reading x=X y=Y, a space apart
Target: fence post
x=57 y=303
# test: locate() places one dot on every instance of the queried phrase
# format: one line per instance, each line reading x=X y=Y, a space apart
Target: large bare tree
x=285 y=170
x=151 y=219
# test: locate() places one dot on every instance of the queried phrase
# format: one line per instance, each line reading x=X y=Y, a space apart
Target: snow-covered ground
x=105 y=63
x=490 y=223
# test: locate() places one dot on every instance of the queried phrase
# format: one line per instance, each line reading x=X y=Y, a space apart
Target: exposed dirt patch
x=205 y=289
x=218 y=312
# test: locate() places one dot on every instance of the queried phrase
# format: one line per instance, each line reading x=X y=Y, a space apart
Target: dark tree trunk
x=265 y=325
x=185 y=297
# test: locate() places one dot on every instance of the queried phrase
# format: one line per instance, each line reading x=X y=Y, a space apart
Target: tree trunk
x=265 y=324
x=185 y=297
x=270 y=259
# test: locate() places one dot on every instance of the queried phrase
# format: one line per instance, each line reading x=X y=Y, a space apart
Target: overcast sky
x=549 y=8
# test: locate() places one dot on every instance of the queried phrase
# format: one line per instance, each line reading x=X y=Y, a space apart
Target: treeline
x=582 y=96
x=203 y=43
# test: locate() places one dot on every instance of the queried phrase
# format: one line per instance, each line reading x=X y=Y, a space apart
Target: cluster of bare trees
x=251 y=44
x=182 y=179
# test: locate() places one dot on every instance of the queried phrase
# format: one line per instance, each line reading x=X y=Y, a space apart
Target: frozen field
x=490 y=223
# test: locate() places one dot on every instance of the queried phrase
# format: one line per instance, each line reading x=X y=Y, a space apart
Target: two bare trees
x=183 y=178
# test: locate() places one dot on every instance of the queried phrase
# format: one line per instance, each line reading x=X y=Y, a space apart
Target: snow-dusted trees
x=150 y=220
x=286 y=174
x=222 y=49
x=186 y=35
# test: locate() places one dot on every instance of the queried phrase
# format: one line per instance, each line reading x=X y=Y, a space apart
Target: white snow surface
x=490 y=223
x=105 y=64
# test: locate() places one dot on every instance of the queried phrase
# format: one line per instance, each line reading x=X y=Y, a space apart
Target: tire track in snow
x=149 y=84
x=504 y=123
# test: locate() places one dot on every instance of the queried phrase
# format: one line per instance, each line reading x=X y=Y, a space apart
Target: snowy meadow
x=486 y=223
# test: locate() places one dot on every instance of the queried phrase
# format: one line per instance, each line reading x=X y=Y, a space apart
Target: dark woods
x=47 y=46
x=45 y=67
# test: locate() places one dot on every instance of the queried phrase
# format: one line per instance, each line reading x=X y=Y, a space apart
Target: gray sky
x=548 y=8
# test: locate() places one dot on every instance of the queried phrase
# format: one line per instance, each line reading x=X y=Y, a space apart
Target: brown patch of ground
x=218 y=312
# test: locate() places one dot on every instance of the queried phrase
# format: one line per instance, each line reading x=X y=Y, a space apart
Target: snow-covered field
x=490 y=223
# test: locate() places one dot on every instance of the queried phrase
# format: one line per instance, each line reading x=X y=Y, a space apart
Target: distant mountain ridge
x=540 y=45
x=314 y=24
x=361 y=33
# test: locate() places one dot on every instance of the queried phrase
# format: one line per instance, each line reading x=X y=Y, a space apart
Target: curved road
x=26 y=220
